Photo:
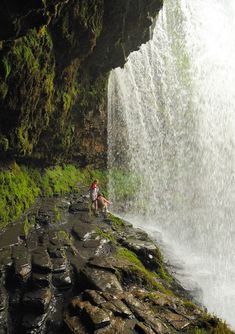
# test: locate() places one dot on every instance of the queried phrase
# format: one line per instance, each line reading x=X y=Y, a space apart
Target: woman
x=94 y=189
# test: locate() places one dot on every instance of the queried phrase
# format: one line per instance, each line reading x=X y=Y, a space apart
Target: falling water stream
x=172 y=142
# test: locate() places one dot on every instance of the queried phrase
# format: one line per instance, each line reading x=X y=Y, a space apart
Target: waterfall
x=171 y=137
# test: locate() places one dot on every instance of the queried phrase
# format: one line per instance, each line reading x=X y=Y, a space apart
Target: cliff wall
x=55 y=57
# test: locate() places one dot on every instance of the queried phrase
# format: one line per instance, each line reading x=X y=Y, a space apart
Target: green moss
x=4 y=144
x=57 y=214
x=3 y=89
x=64 y=236
x=105 y=235
x=222 y=328
x=60 y=180
x=7 y=67
x=26 y=227
x=213 y=326
x=118 y=223
x=149 y=279
x=27 y=91
x=28 y=223
x=17 y=192
x=124 y=253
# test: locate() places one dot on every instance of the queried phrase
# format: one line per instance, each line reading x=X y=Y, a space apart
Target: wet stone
x=116 y=326
x=94 y=297
x=59 y=264
x=5 y=265
x=41 y=280
x=32 y=242
x=32 y=324
x=82 y=231
x=138 y=234
x=74 y=325
x=146 y=251
x=142 y=329
x=10 y=236
x=90 y=314
x=5 y=259
x=91 y=244
x=76 y=305
x=62 y=280
x=97 y=317
x=140 y=244
x=44 y=218
x=53 y=238
x=15 y=298
x=145 y=314
x=41 y=261
x=3 y=300
x=109 y=263
x=55 y=252
x=101 y=280
x=3 y=309
x=22 y=269
x=118 y=308
x=177 y=321
x=3 y=328
x=119 y=326
x=78 y=207
x=37 y=300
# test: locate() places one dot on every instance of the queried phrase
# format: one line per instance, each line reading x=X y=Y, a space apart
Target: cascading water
x=172 y=141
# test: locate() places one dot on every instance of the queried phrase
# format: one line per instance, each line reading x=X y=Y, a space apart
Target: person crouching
x=103 y=203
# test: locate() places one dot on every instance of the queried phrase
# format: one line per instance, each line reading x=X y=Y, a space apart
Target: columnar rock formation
x=71 y=272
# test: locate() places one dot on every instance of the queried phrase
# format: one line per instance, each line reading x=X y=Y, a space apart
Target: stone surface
x=74 y=325
x=83 y=231
x=41 y=280
x=62 y=280
x=21 y=264
x=77 y=207
x=41 y=261
x=32 y=324
x=37 y=300
x=11 y=235
x=97 y=317
x=59 y=264
x=118 y=308
x=179 y=322
x=101 y=280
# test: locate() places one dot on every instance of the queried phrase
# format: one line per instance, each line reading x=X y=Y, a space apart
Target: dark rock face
x=55 y=57
x=18 y=17
x=83 y=277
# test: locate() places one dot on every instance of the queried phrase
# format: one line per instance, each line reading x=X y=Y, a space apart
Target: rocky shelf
x=64 y=270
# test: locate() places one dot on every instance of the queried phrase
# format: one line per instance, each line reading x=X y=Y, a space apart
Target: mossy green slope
x=20 y=186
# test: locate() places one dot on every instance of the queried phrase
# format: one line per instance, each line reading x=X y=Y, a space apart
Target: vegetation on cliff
x=20 y=186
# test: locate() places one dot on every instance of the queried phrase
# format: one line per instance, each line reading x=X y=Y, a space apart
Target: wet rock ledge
x=63 y=270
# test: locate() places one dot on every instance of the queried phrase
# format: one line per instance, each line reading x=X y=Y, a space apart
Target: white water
x=172 y=127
